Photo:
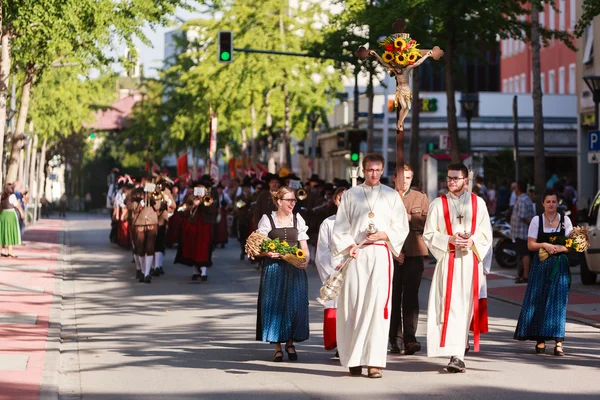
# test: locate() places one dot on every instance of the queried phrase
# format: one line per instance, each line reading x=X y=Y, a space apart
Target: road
x=178 y=339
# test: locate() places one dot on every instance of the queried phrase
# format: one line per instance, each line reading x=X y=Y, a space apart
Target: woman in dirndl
x=544 y=311
x=283 y=295
x=10 y=212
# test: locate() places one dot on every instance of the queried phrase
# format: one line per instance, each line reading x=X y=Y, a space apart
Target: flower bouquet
x=258 y=243
x=578 y=241
x=400 y=50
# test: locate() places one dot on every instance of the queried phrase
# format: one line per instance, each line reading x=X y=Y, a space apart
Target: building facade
x=558 y=71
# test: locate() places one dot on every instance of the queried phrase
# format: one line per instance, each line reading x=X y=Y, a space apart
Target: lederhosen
x=145 y=227
x=161 y=234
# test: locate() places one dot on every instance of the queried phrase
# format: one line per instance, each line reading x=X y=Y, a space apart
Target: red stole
x=478 y=321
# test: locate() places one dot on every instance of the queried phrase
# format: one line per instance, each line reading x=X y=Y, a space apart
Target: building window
x=561 y=16
x=572 y=14
x=551 y=14
x=551 y=81
x=588 y=48
x=504 y=48
x=516 y=83
x=572 y=79
x=561 y=80
x=504 y=86
x=523 y=88
x=542 y=18
x=543 y=81
x=510 y=85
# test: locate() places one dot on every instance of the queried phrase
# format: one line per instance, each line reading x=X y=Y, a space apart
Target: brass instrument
x=240 y=203
x=302 y=195
x=207 y=200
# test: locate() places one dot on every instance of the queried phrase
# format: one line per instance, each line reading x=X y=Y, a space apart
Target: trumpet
x=302 y=195
x=240 y=203
x=207 y=200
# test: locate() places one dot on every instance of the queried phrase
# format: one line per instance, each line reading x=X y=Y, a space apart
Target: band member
x=326 y=264
x=223 y=205
x=459 y=235
x=145 y=226
x=264 y=203
x=165 y=205
x=241 y=209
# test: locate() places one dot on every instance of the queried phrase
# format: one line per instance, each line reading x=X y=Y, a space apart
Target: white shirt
x=12 y=200
x=264 y=225
x=535 y=224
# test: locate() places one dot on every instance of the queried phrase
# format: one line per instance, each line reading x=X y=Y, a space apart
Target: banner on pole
x=182 y=165
x=213 y=137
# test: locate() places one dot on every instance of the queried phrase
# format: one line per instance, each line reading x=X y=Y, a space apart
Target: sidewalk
x=27 y=290
x=584 y=302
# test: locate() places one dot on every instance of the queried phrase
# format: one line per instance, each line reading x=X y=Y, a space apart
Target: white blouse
x=535 y=224
x=264 y=225
x=13 y=201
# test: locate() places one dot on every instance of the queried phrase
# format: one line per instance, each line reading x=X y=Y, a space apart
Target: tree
x=590 y=9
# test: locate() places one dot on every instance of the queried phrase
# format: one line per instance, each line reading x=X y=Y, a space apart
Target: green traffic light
x=354 y=157
x=225 y=56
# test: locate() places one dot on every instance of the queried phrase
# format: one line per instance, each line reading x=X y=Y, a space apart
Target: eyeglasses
x=290 y=200
x=374 y=171
x=453 y=178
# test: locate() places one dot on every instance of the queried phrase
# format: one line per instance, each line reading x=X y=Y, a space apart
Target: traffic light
x=342 y=138
x=300 y=149
x=355 y=137
x=225 y=53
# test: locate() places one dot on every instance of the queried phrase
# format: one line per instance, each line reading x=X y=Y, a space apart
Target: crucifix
x=460 y=217
x=401 y=55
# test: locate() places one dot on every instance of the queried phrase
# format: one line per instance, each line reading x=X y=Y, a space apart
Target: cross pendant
x=460 y=217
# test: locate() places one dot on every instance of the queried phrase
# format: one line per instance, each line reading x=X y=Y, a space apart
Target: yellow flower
x=399 y=43
x=388 y=56
x=578 y=247
x=569 y=243
x=412 y=56
x=401 y=59
x=271 y=246
x=553 y=239
x=300 y=254
x=285 y=243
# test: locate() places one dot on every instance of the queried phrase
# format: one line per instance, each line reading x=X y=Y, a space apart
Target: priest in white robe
x=364 y=304
x=459 y=235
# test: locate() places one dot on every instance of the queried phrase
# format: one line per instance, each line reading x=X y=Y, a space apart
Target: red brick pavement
x=31 y=293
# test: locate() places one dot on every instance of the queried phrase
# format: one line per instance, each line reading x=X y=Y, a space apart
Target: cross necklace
x=371 y=213
x=460 y=211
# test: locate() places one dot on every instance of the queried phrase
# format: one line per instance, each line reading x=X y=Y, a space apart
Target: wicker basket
x=295 y=261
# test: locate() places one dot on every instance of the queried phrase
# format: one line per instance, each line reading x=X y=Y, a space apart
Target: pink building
x=558 y=72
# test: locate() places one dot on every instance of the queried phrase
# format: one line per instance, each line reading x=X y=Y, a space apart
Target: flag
x=182 y=165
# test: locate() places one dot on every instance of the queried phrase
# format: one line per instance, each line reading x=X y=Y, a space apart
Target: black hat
x=292 y=177
x=246 y=182
x=314 y=178
x=270 y=177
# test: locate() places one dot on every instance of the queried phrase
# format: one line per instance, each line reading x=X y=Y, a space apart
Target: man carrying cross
x=458 y=234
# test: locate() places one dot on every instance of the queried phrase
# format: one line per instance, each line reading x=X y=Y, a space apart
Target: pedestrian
x=459 y=235
x=264 y=202
x=224 y=205
x=242 y=211
x=282 y=307
x=10 y=212
x=408 y=270
x=165 y=206
x=326 y=264
x=20 y=195
x=363 y=322
x=520 y=219
x=62 y=206
x=544 y=310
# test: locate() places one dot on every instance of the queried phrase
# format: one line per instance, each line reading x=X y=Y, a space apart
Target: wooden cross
x=460 y=217
x=403 y=92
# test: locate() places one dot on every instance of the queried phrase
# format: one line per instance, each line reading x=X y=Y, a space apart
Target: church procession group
x=377 y=309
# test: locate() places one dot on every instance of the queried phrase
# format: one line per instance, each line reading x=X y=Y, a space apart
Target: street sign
x=593 y=141
x=594 y=157
x=444 y=142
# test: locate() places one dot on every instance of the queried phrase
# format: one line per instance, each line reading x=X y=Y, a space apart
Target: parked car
x=590 y=263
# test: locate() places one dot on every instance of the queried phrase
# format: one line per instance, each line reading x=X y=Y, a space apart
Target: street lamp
x=593 y=83
x=313 y=118
x=469 y=105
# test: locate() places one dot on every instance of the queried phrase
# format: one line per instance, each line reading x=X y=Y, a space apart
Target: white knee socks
x=138 y=262
x=158 y=259
x=203 y=269
x=148 y=260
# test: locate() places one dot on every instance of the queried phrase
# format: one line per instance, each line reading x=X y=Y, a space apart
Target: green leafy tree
x=590 y=9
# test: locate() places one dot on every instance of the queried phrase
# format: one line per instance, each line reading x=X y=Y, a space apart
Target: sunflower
x=401 y=59
x=272 y=246
x=553 y=239
x=578 y=248
x=285 y=243
x=388 y=57
x=569 y=243
x=412 y=56
x=300 y=254
x=399 y=43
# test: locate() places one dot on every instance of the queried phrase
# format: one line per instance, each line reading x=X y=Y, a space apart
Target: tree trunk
x=451 y=107
x=253 y=143
x=41 y=180
x=4 y=72
x=370 y=118
x=19 y=136
x=414 y=127
x=286 y=128
x=539 y=160
x=32 y=189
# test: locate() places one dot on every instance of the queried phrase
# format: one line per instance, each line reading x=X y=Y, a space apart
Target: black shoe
x=456 y=365
x=204 y=278
x=147 y=279
x=141 y=280
x=161 y=270
x=558 y=350
x=278 y=357
x=155 y=272
x=412 y=348
x=394 y=349
x=355 y=370
x=540 y=349
x=195 y=277
x=138 y=274
x=467 y=349
x=291 y=356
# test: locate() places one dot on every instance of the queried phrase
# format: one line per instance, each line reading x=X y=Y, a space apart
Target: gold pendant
x=371 y=214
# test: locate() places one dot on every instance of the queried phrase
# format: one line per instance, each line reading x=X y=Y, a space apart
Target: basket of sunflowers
x=258 y=243
x=578 y=241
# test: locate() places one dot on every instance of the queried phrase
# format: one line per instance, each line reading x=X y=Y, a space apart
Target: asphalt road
x=178 y=339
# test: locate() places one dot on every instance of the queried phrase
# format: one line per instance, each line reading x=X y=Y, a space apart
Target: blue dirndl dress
x=283 y=295
x=544 y=311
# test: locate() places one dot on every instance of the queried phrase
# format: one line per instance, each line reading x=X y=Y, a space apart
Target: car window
x=593 y=214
